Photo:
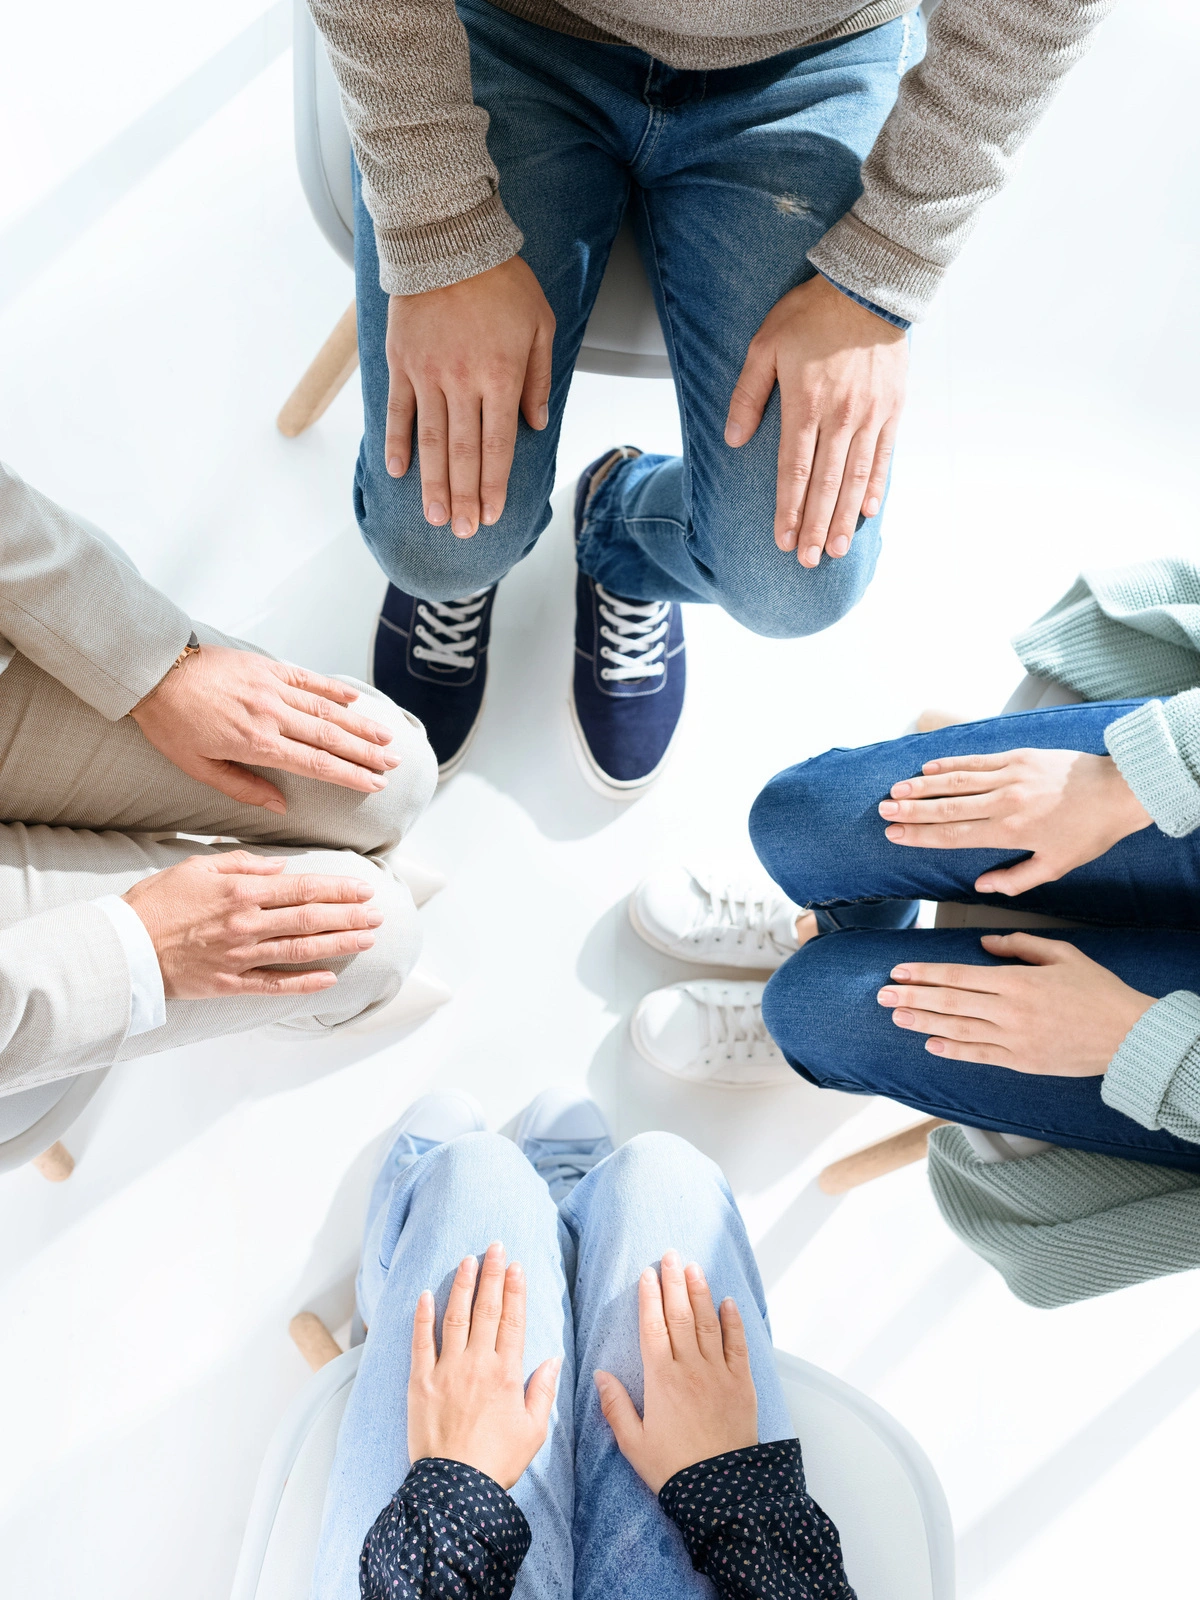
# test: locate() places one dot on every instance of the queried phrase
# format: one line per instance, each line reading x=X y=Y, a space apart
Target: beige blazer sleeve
x=76 y=608
x=64 y=995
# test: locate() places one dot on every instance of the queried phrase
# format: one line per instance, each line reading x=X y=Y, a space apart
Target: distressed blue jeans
x=598 y=1531
x=818 y=832
x=729 y=177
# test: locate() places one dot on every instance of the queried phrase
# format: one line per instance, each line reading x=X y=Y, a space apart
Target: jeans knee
x=796 y=826
x=649 y=1163
x=779 y=599
x=483 y=1163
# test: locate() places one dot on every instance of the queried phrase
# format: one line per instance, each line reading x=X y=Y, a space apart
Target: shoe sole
x=643 y=1050
x=643 y=933
x=599 y=780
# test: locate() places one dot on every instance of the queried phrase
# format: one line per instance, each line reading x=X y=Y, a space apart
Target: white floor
x=161 y=287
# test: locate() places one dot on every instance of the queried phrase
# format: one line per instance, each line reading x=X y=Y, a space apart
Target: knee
x=820 y=1007
x=380 y=821
x=484 y=1166
x=653 y=1164
x=773 y=595
x=369 y=979
x=798 y=827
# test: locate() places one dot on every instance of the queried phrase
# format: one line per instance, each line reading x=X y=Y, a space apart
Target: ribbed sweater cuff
x=1158 y=1062
x=854 y=255
x=437 y=254
x=1143 y=747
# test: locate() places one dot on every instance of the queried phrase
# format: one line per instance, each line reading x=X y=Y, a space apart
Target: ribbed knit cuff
x=1144 y=749
x=854 y=255
x=413 y=260
x=1158 y=1062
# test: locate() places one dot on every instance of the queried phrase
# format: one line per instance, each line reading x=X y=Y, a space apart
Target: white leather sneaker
x=709 y=1031
x=711 y=916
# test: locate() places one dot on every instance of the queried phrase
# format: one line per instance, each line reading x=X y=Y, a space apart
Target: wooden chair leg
x=313 y=1339
x=331 y=369
x=56 y=1163
x=886 y=1155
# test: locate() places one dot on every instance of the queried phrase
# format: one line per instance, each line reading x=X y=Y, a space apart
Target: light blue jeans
x=729 y=177
x=598 y=1532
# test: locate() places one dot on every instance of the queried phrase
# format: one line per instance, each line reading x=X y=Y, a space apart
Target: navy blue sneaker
x=630 y=671
x=431 y=658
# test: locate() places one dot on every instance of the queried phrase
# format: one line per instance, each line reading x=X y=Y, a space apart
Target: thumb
x=750 y=395
x=1016 y=880
x=619 y=1410
x=241 y=861
x=539 y=1395
x=535 y=393
x=1026 y=947
x=245 y=787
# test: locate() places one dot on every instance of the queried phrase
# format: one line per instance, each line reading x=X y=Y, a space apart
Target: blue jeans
x=818 y=832
x=597 y=1529
x=730 y=178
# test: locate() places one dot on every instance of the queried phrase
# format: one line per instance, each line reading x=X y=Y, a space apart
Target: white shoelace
x=736 y=1030
x=746 y=912
x=452 y=631
x=637 y=637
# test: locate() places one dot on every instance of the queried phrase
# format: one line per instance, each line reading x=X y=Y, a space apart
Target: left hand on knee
x=840 y=371
x=1064 y=806
x=1062 y=1016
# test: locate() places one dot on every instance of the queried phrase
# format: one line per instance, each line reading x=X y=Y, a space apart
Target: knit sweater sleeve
x=1155 y=1075
x=950 y=142
x=404 y=70
x=1157 y=748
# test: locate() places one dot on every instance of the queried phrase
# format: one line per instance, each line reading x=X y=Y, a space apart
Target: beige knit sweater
x=989 y=71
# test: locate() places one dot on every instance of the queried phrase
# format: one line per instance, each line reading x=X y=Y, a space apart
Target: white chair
x=33 y=1121
x=862 y=1468
x=623 y=336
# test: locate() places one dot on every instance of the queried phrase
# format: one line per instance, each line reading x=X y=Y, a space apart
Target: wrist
x=190 y=649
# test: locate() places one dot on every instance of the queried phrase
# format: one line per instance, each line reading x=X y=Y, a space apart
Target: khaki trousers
x=90 y=807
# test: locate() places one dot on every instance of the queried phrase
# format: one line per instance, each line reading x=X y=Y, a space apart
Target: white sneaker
x=564 y=1135
x=704 y=914
x=709 y=1031
x=440 y=1116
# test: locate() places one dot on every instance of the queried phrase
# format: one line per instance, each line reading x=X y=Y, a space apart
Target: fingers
x=540 y=1392
x=499 y=439
x=264 y=981
x=733 y=1334
x=885 y=447
x=1028 y=947
x=489 y=1301
x=793 y=482
x=978 y=835
x=398 y=428
x=300 y=951
x=852 y=493
x=292 y=922
x=464 y=444
x=535 y=395
x=432 y=445
x=1016 y=880
x=677 y=1308
x=305 y=888
x=958 y=808
x=704 y=1313
x=974 y=1051
x=327 y=688
x=652 y=1325
x=988 y=763
x=320 y=734
x=327 y=710
x=510 y=1334
x=619 y=1411
x=241 y=861
x=456 y=1324
x=424 y=1347
x=750 y=394
x=920 y=1019
x=951 y=975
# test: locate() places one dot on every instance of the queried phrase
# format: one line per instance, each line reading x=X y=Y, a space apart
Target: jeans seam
x=677 y=371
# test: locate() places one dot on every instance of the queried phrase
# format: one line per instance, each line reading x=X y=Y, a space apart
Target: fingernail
x=895 y=833
x=839 y=546
x=871 y=506
x=543 y=416
x=812 y=555
x=495 y=1247
x=396 y=467
x=729 y=1303
x=902 y=1017
x=462 y=527
x=436 y=512
x=789 y=539
x=489 y=515
x=328 y=980
x=901 y=974
x=901 y=789
x=365 y=941
x=648 y=1276
x=374 y=918
x=365 y=891
x=935 y=1047
x=670 y=1258
x=467 y=1264
x=693 y=1272
x=888 y=808
x=516 y=1269
x=887 y=997
x=278 y=807
x=734 y=433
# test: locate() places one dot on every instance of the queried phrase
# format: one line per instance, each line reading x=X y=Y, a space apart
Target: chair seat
x=862 y=1467
x=623 y=337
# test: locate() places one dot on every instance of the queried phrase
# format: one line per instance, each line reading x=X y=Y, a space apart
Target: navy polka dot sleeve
x=448 y=1533
x=750 y=1527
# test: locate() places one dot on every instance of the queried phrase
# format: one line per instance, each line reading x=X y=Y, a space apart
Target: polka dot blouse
x=451 y=1533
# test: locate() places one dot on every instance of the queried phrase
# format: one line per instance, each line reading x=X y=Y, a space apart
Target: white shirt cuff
x=148 y=1003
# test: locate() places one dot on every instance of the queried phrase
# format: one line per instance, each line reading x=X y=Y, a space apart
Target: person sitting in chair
x=123 y=725
x=586 y=1425
x=798 y=179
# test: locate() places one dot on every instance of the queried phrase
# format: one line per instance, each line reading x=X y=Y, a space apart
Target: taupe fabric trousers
x=90 y=807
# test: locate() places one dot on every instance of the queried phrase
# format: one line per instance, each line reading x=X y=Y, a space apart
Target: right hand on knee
x=700 y=1400
x=470 y=1404
x=220 y=924
x=462 y=361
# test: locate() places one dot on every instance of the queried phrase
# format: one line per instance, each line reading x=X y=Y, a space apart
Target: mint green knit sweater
x=1067 y=1224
